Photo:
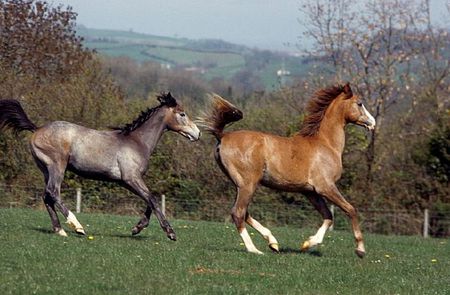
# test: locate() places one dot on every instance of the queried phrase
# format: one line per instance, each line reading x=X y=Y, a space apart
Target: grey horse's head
x=176 y=118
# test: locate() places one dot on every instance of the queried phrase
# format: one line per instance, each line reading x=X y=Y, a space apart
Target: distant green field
x=208 y=258
x=179 y=52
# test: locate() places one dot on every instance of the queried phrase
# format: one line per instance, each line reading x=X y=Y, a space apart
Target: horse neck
x=151 y=131
x=332 y=127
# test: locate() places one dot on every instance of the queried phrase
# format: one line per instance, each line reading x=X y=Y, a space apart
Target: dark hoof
x=135 y=230
x=360 y=253
x=80 y=232
x=172 y=236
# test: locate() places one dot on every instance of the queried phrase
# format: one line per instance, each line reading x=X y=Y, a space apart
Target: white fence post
x=426 y=223
x=78 y=200
x=163 y=204
x=332 y=214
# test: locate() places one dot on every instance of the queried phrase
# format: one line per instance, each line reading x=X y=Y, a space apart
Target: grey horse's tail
x=221 y=113
x=14 y=117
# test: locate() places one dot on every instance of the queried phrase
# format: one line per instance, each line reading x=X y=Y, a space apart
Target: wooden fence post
x=78 y=200
x=332 y=214
x=163 y=204
x=426 y=223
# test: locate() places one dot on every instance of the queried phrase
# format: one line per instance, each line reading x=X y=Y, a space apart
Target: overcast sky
x=267 y=24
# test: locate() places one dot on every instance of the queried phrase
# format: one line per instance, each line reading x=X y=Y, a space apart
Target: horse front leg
x=319 y=204
x=137 y=186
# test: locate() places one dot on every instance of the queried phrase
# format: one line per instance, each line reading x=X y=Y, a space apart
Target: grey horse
x=120 y=155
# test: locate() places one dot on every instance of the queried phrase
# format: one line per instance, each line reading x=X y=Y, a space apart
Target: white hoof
x=256 y=251
x=61 y=233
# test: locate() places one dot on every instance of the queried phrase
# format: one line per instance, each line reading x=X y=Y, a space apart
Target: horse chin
x=367 y=126
x=188 y=136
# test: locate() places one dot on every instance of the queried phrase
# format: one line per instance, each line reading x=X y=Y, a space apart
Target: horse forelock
x=317 y=107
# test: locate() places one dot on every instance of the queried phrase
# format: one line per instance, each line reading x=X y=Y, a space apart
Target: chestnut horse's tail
x=13 y=116
x=221 y=113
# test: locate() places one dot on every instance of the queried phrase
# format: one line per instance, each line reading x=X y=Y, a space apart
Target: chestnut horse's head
x=177 y=120
x=355 y=111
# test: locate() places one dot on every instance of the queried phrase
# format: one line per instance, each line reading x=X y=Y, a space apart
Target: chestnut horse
x=119 y=155
x=309 y=162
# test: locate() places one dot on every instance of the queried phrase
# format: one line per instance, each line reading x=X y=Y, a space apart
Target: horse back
x=285 y=163
x=82 y=149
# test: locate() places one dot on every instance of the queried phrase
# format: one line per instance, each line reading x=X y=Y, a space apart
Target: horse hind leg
x=265 y=232
x=320 y=205
x=52 y=189
x=49 y=202
x=143 y=222
x=239 y=215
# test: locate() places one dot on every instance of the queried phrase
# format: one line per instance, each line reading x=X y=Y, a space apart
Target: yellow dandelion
x=434 y=260
x=91 y=238
x=156 y=243
x=241 y=244
x=387 y=256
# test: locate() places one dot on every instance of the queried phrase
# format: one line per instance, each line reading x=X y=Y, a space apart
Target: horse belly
x=284 y=183
x=94 y=161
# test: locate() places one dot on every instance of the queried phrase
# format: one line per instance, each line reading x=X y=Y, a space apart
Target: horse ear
x=348 y=90
x=167 y=99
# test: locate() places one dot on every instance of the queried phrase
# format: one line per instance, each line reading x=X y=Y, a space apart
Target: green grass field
x=208 y=258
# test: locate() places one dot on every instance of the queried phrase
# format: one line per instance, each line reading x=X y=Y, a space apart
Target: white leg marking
x=73 y=222
x=248 y=242
x=264 y=231
x=360 y=246
x=62 y=233
x=318 y=237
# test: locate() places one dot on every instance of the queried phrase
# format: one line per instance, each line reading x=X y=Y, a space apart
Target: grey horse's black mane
x=165 y=99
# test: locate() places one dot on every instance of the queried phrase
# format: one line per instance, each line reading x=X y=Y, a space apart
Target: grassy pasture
x=208 y=258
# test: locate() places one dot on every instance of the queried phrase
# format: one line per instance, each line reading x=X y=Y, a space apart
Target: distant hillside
x=208 y=58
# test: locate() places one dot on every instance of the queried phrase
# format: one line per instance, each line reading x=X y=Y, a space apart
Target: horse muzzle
x=192 y=135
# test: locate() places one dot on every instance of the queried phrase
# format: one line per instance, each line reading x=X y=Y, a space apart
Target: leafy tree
x=39 y=40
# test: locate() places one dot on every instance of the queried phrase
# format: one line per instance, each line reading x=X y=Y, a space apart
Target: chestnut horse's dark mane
x=317 y=107
x=164 y=99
